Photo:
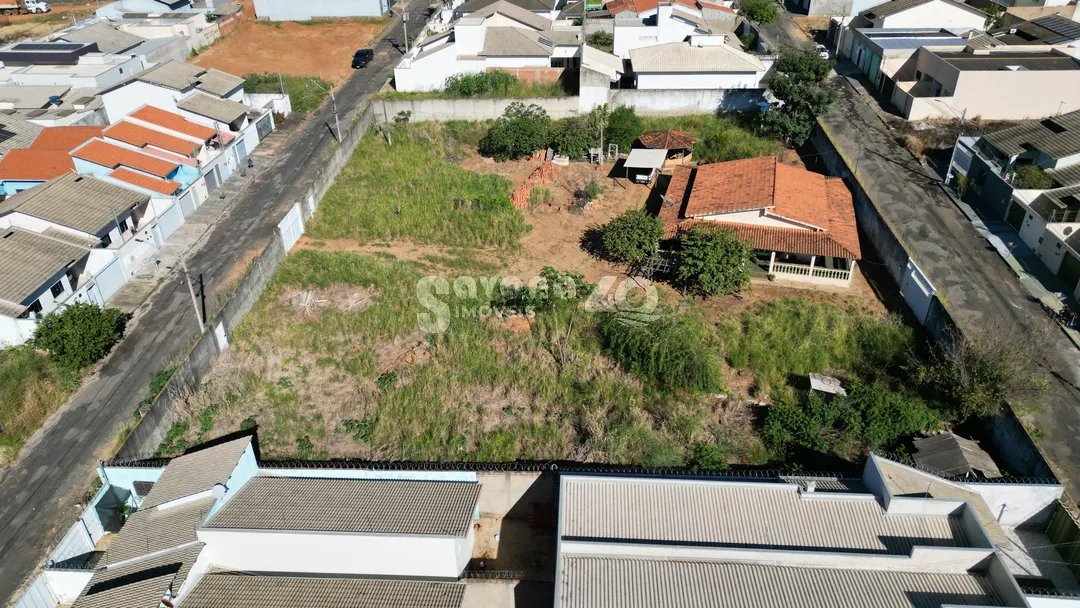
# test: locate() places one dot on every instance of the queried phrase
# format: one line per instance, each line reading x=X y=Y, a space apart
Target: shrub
x=541 y=197
x=762 y=12
x=590 y=190
x=574 y=136
x=1030 y=177
x=721 y=145
x=554 y=288
x=80 y=334
x=671 y=351
x=632 y=236
x=708 y=457
x=714 y=261
x=472 y=85
x=622 y=127
x=520 y=131
x=601 y=40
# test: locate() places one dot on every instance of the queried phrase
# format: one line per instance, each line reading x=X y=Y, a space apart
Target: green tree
x=708 y=457
x=671 y=350
x=632 y=236
x=520 y=131
x=799 y=81
x=483 y=83
x=601 y=40
x=714 y=261
x=1030 y=177
x=79 y=335
x=623 y=126
x=995 y=16
x=762 y=12
x=575 y=135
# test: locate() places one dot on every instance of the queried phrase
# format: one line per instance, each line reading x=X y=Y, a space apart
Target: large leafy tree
x=632 y=236
x=623 y=126
x=714 y=262
x=799 y=82
x=79 y=335
x=520 y=131
x=762 y=12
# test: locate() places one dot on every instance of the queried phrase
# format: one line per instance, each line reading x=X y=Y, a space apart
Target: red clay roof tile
x=162 y=186
x=35 y=165
x=138 y=135
x=113 y=156
x=65 y=138
x=173 y=122
x=667 y=140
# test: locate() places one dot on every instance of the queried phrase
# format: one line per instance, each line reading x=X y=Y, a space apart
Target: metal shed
x=643 y=163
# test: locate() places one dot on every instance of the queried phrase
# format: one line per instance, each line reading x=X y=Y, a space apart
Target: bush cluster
x=632 y=236
x=79 y=335
x=672 y=350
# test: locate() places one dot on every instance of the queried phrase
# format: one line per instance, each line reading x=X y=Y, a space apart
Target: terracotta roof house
x=801 y=224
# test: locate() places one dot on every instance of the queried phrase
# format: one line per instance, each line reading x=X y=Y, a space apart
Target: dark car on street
x=362 y=57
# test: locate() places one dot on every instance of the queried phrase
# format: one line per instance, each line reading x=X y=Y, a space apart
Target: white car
x=824 y=52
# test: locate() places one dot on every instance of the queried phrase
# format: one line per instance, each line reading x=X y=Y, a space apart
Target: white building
x=500 y=36
x=318 y=538
x=167 y=85
x=911 y=15
x=668 y=22
x=703 y=62
x=898 y=538
x=73 y=64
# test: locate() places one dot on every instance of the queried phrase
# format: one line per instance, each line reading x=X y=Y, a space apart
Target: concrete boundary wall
x=159 y=417
x=468 y=109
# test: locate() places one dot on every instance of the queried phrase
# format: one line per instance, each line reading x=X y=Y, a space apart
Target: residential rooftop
x=441 y=508
x=173 y=122
x=65 y=139
x=196 y=472
x=1050 y=30
x=141 y=137
x=183 y=76
x=686 y=57
x=16 y=133
x=80 y=202
x=153 y=530
x=240 y=590
x=112 y=156
x=1057 y=137
x=28 y=164
x=141 y=584
x=108 y=38
x=216 y=108
x=28 y=262
x=1008 y=61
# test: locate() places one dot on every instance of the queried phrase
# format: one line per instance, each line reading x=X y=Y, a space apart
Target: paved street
x=38 y=495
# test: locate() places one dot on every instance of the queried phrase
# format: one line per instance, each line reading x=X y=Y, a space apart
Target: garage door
x=110 y=279
x=187 y=203
x=1070 y=271
x=1015 y=217
x=212 y=180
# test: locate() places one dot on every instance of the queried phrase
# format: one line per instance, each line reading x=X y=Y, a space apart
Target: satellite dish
x=1068 y=230
x=219 y=491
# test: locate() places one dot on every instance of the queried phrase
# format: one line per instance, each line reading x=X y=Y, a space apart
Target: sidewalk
x=189 y=237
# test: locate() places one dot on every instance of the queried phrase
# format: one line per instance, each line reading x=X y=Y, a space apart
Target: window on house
x=123 y=225
x=106 y=241
x=35 y=308
x=57 y=289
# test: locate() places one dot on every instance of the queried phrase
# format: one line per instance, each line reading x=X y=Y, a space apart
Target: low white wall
x=292 y=10
x=282 y=104
x=66 y=585
x=1019 y=504
x=1053 y=602
x=315 y=552
x=665 y=102
x=468 y=109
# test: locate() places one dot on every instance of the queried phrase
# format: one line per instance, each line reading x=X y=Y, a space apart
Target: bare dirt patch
x=17 y=27
x=324 y=49
x=309 y=303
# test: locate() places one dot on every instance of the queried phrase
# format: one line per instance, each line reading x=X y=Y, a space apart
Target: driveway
x=39 y=493
x=979 y=289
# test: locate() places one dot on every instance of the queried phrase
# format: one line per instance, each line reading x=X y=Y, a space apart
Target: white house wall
x=1051 y=251
x=291 y=10
x=940 y=14
x=1033 y=227
x=132 y=96
x=667 y=29
x=430 y=72
x=358 y=554
x=716 y=80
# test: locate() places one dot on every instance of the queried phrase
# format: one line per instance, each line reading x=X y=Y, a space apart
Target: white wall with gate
x=292 y=227
x=170 y=221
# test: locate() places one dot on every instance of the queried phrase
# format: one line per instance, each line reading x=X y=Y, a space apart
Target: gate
x=212 y=180
x=38 y=595
x=292 y=227
x=263 y=127
x=1070 y=271
x=187 y=203
x=110 y=279
x=917 y=290
x=169 y=222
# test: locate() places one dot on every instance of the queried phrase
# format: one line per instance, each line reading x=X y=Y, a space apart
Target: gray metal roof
x=108 y=38
x=727 y=513
x=441 y=508
x=645 y=158
x=17 y=133
x=898 y=6
x=27 y=262
x=607 y=582
x=196 y=472
x=182 y=76
x=1008 y=60
x=1051 y=29
x=235 y=590
x=954 y=455
x=141 y=584
x=80 y=202
x=515 y=42
x=222 y=110
x=683 y=57
x=152 y=530
x=1056 y=137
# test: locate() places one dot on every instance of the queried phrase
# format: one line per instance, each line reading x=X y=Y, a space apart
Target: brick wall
x=532 y=75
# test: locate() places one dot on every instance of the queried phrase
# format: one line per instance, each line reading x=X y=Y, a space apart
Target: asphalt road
x=39 y=493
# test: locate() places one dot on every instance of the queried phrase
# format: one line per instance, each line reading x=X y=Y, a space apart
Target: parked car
x=362 y=57
x=822 y=50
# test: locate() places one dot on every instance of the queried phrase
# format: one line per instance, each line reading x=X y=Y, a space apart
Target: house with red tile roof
x=801 y=224
x=131 y=167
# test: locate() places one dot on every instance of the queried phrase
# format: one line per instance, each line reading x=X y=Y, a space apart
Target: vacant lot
x=18 y=27
x=323 y=48
x=332 y=362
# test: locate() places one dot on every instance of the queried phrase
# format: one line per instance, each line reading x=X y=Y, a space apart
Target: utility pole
x=194 y=300
x=405 y=27
x=281 y=81
x=952 y=156
x=333 y=100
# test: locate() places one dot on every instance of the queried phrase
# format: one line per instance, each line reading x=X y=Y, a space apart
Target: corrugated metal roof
x=141 y=584
x=80 y=202
x=173 y=74
x=440 y=508
x=1057 y=137
x=196 y=472
x=223 y=110
x=683 y=57
x=953 y=455
x=152 y=530
x=1008 y=60
x=233 y=590
x=605 y=582
x=760 y=515
x=529 y=5
x=28 y=260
